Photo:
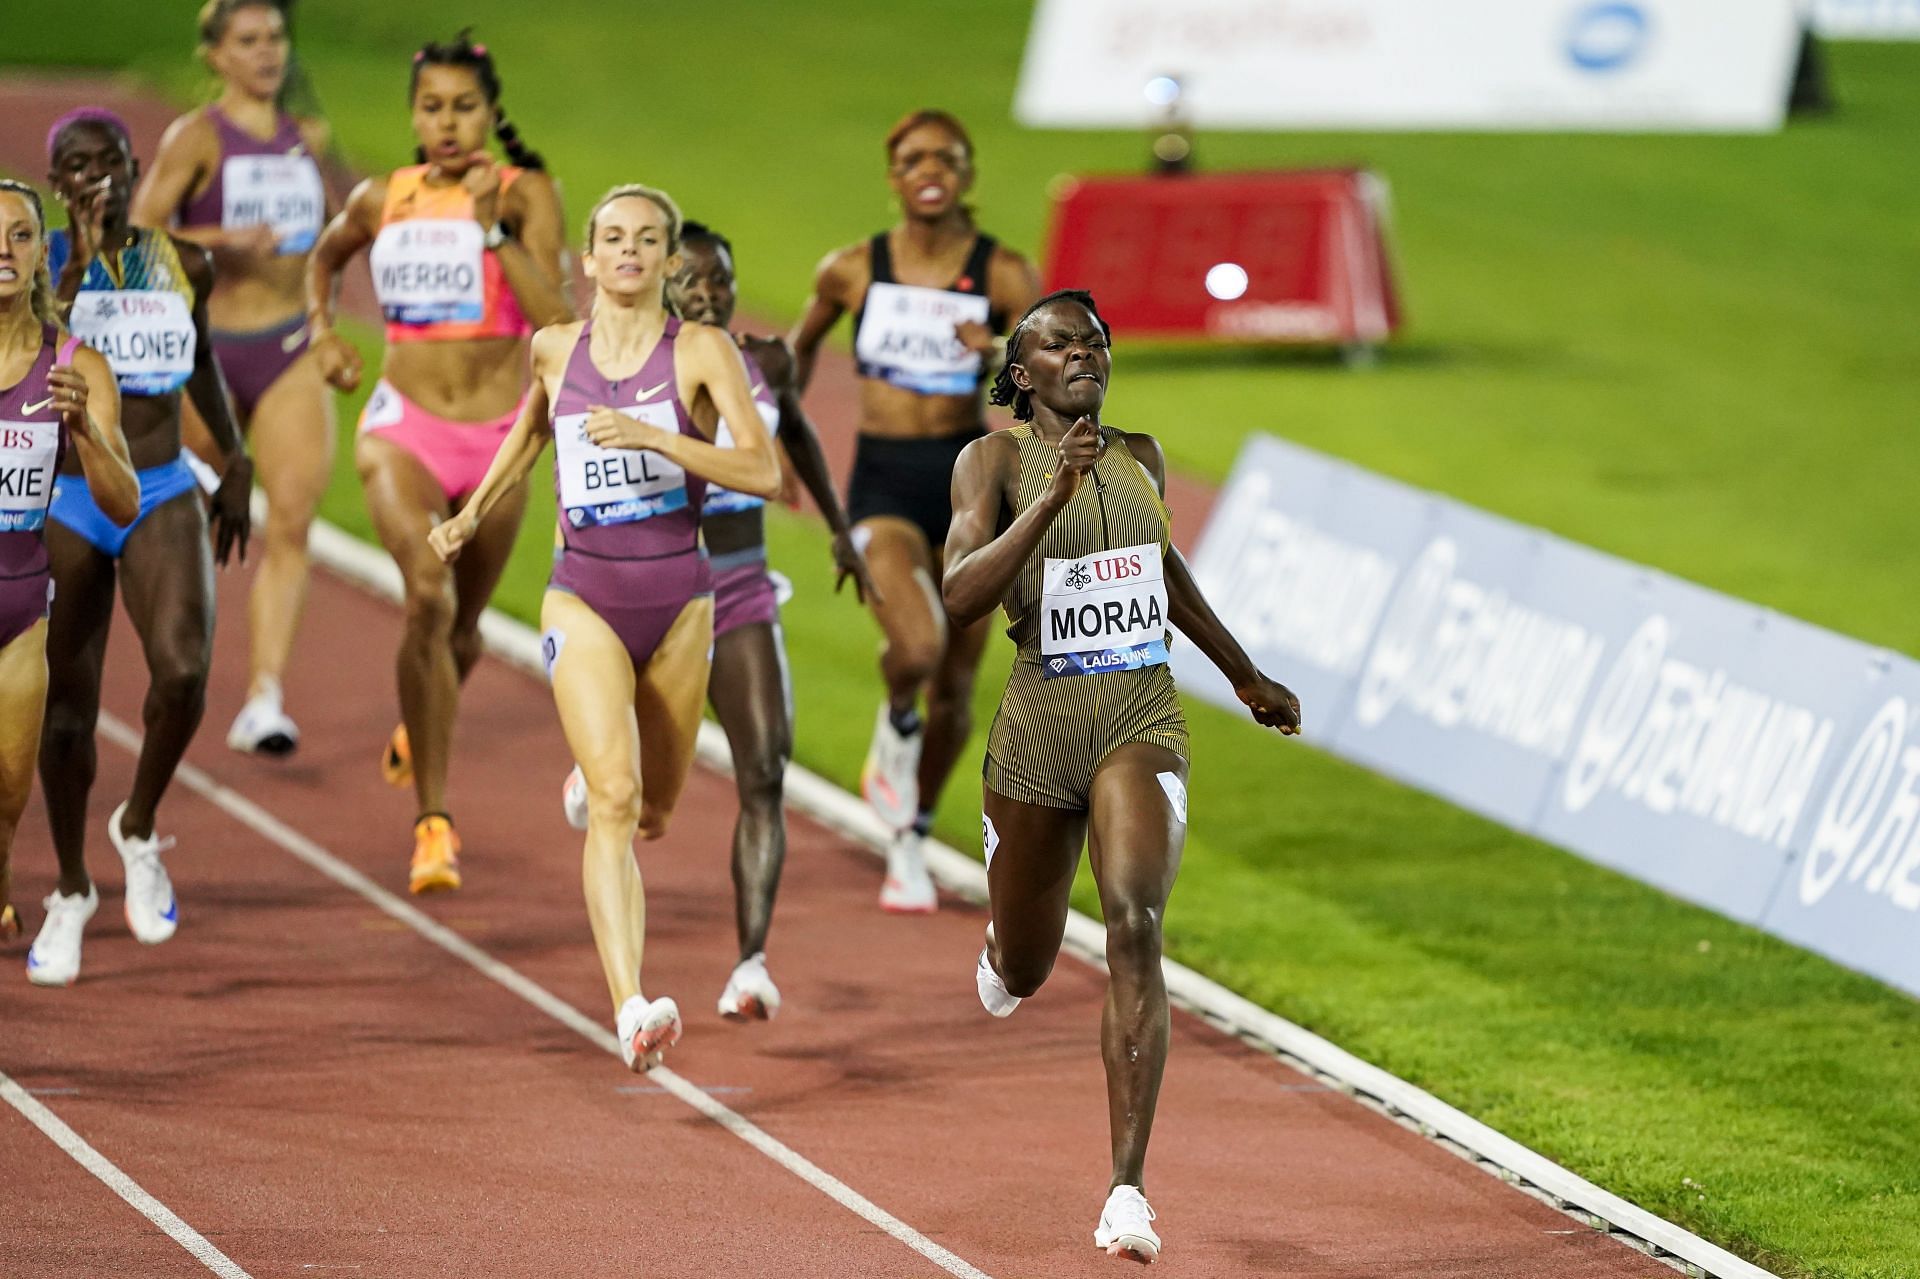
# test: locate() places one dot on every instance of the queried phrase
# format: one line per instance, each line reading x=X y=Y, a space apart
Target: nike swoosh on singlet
x=31 y=409
x=648 y=393
x=757 y=388
x=293 y=339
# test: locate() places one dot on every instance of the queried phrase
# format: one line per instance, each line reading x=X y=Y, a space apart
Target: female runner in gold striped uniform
x=1061 y=520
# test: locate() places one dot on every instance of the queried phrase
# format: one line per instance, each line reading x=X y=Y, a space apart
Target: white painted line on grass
x=519 y=645
x=118 y=1182
x=271 y=828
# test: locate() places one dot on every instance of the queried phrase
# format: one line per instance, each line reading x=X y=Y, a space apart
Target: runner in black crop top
x=928 y=297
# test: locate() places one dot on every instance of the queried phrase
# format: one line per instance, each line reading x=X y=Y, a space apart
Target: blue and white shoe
x=54 y=959
x=152 y=913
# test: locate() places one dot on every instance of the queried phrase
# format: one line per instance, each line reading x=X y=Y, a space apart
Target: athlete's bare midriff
x=468 y=380
x=893 y=412
x=267 y=292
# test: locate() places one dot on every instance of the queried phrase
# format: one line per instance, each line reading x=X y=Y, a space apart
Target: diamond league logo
x=1056 y=665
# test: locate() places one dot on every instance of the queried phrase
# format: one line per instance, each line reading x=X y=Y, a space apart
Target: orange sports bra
x=435 y=278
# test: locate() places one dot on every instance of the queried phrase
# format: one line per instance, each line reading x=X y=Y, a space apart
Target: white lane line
x=518 y=644
x=118 y=1182
x=271 y=828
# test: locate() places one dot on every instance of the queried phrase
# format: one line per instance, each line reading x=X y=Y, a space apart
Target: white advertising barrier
x=1629 y=65
x=1762 y=767
x=1867 y=19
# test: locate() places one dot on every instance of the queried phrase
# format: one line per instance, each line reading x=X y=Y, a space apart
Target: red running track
x=319 y=1090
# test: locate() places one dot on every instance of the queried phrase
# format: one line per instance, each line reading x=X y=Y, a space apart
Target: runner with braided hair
x=467 y=260
x=1062 y=521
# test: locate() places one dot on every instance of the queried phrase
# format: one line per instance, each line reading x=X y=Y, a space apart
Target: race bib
x=428 y=271
x=1104 y=612
x=616 y=486
x=281 y=191
x=724 y=501
x=146 y=335
x=906 y=339
x=28 y=454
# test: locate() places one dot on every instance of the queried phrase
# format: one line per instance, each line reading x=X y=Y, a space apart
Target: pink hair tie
x=420 y=55
x=480 y=49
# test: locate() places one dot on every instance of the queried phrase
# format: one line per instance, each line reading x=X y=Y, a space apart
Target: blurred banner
x=1626 y=65
x=1743 y=760
x=1866 y=19
x=1250 y=257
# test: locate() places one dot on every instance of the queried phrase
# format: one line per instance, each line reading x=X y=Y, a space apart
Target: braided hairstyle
x=40 y=301
x=1004 y=390
x=700 y=231
x=461 y=51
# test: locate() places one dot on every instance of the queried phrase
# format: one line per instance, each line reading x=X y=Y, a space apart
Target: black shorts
x=908 y=479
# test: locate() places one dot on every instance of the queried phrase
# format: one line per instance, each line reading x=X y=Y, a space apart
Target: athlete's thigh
x=403 y=498
x=960 y=660
x=1139 y=825
x=593 y=682
x=83 y=578
x=484 y=558
x=1032 y=851
x=23 y=705
x=166 y=579
x=292 y=436
x=902 y=567
x=751 y=693
x=669 y=693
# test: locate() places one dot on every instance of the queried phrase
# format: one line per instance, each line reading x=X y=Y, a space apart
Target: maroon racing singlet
x=32 y=439
x=629 y=518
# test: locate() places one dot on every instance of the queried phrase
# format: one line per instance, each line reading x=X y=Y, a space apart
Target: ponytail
x=461 y=51
x=517 y=151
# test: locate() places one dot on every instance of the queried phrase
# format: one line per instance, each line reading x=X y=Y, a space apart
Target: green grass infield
x=1697 y=352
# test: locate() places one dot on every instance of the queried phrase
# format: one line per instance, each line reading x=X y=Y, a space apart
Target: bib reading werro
x=147 y=336
x=907 y=338
x=29 y=452
x=283 y=192
x=428 y=271
x=616 y=486
x=1103 y=612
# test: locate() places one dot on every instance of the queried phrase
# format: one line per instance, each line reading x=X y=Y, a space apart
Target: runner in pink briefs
x=239 y=177
x=55 y=396
x=628 y=619
x=749 y=689
x=467 y=257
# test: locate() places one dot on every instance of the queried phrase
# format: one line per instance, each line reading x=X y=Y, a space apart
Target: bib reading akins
x=280 y=191
x=616 y=486
x=29 y=453
x=147 y=336
x=906 y=338
x=1104 y=612
x=428 y=271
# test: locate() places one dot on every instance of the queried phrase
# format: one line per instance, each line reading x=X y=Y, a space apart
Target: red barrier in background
x=1241 y=257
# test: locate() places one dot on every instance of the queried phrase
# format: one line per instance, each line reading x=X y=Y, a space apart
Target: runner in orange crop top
x=467 y=258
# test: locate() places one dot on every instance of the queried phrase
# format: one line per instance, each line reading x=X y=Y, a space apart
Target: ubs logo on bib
x=1078 y=579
